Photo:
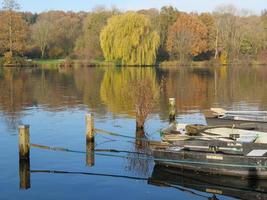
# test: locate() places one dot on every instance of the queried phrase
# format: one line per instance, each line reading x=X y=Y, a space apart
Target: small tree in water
x=144 y=94
x=134 y=90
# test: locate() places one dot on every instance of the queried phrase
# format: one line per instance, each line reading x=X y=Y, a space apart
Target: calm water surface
x=54 y=102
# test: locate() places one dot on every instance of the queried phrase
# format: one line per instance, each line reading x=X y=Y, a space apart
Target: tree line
x=143 y=37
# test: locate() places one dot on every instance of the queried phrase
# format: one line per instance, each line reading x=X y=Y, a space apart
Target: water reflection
x=108 y=89
x=90 y=153
x=118 y=84
x=214 y=185
x=107 y=92
x=141 y=167
x=24 y=174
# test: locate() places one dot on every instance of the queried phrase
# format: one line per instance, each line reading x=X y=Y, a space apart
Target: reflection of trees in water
x=13 y=97
x=87 y=82
x=225 y=86
x=98 y=88
x=52 y=89
x=13 y=120
x=134 y=91
x=140 y=167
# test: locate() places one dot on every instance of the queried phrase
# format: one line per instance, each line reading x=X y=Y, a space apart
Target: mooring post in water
x=24 y=142
x=90 y=135
x=172 y=111
x=24 y=156
x=90 y=140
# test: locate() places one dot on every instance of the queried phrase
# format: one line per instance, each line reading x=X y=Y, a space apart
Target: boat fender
x=234 y=136
x=213 y=148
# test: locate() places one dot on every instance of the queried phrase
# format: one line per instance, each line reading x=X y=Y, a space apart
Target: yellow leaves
x=128 y=39
x=119 y=88
x=224 y=58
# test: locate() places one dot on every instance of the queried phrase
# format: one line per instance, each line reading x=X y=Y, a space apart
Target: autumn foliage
x=144 y=37
x=14 y=32
x=187 y=37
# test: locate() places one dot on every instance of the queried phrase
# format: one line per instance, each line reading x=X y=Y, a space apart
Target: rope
x=83 y=152
x=151 y=158
x=99 y=131
x=88 y=173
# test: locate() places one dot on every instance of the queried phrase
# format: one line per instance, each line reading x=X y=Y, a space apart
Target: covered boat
x=234 y=151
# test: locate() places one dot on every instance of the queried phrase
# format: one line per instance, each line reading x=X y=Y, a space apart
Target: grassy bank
x=54 y=63
x=209 y=63
x=48 y=61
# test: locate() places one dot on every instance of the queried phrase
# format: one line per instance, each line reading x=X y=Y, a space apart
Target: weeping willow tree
x=128 y=39
x=134 y=90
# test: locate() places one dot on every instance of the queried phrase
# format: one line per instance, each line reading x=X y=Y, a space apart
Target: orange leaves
x=187 y=37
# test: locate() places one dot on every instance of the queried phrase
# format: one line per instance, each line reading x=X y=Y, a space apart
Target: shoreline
x=164 y=64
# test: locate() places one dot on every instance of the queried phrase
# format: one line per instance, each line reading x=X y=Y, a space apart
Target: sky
x=183 y=5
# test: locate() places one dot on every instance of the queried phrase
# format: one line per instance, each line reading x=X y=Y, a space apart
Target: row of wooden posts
x=24 y=145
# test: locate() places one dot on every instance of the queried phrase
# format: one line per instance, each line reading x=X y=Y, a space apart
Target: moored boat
x=240 y=133
x=229 y=161
x=255 y=116
x=223 y=150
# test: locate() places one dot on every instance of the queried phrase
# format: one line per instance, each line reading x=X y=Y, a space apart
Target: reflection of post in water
x=24 y=157
x=213 y=197
x=172 y=109
x=24 y=174
x=90 y=153
x=90 y=140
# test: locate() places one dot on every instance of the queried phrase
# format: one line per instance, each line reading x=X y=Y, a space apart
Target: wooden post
x=24 y=157
x=90 y=136
x=172 y=111
x=90 y=140
x=24 y=174
x=24 y=142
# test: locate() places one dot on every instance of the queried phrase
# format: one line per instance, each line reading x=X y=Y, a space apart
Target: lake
x=54 y=103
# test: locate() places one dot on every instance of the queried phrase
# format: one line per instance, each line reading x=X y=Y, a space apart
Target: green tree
x=128 y=39
x=264 y=25
x=88 y=45
x=251 y=39
x=168 y=15
x=14 y=29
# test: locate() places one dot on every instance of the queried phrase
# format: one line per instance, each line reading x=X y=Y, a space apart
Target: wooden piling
x=172 y=111
x=90 y=136
x=24 y=142
x=24 y=174
x=90 y=140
